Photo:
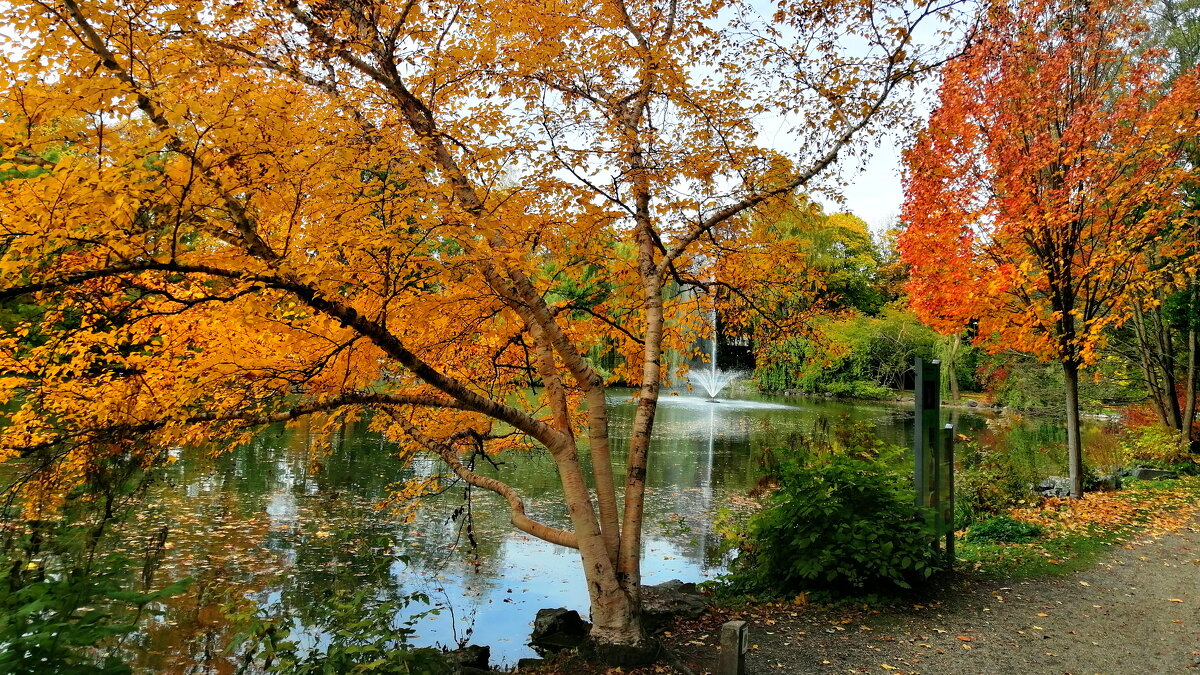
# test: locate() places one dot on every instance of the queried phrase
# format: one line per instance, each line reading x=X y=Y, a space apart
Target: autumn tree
x=1051 y=164
x=412 y=211
x=1163 y=337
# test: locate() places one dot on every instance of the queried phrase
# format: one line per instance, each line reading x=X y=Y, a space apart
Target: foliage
x=858 y=356
x=1004 y=529
x=1078 y=531
x=1023 y=383
x=1177 y=28
x=71 y=621
x=361 y=636
x=1050 y=170
x=839 y=525
x=274 y=209
x=1095 y=194
x=1155 y=444
x=840 y=252
x=988 y=483
x=858 y=389
x=781 y=365
x=956 y=352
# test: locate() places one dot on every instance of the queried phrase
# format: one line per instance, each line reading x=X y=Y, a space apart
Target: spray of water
x=713 y=380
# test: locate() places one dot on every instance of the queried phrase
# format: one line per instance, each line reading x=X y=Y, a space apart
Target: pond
x=283 y=521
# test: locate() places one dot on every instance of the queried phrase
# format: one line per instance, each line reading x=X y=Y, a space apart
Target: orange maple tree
x=232 y=214
x=1052 y=162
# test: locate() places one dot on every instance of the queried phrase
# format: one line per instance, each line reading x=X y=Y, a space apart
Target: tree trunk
x=1074 y=446
x=1166 y=362
x=629 y=560
x=1193 y=351
x=615 y=613
x=952 y=366
x=616 y=621
x=1146 y=360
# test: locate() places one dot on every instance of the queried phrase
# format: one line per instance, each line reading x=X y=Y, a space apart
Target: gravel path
x=1137 y=611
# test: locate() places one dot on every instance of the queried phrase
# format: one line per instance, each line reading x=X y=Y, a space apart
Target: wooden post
x=735 y=642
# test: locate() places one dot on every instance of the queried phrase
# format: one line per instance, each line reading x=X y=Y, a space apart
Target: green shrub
x=1004 y=529
x=988 y=483
x=857 y=389
x=66 y=622
x=68 y=596
x=1185 y=468
x=841 y=526
x=858 y=356
x=1023 y=383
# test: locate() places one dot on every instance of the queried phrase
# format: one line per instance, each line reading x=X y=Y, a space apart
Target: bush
x=1004 y=529
x=987 y=484
x=1023 y=383
x=68 y=597
x=858 y=389
x=1157 y=445
x=842 y=526
x=857 y=356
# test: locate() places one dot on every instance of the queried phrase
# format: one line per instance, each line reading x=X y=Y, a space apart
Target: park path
x=1136 y=611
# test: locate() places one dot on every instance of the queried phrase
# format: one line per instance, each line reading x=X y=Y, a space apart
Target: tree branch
x=516 y=506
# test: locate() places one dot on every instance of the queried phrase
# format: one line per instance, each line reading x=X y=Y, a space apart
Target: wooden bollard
x=735 y=642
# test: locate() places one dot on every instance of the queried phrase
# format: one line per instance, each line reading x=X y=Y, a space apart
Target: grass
x=1050 y=557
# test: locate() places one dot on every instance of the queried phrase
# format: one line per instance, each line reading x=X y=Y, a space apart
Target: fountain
x=713 y=380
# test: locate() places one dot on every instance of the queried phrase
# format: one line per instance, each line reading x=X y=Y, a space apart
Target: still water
x=280 y=523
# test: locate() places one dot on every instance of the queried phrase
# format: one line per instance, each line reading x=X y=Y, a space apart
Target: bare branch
x=515 y=504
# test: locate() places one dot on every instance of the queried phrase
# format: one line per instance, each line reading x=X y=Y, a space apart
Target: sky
x=871 y=190
x=874 y=193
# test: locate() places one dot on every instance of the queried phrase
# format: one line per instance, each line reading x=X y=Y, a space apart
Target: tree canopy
x=438 y=213
x=1054 y=162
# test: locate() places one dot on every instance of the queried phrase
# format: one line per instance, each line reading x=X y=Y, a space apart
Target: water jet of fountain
x=713 y=381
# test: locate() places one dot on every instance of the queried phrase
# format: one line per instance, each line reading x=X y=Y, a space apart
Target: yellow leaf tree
x=269 y=209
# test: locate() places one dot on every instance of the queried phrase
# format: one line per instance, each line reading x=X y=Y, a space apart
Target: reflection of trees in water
x=289 y=520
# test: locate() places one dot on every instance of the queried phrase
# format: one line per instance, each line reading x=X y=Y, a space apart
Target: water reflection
x=283 y=522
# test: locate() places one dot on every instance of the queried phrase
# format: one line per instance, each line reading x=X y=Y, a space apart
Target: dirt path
x=1137 y=611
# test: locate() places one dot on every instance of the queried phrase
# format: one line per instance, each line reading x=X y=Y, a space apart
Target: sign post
x=933 y=454
x=947 y=491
